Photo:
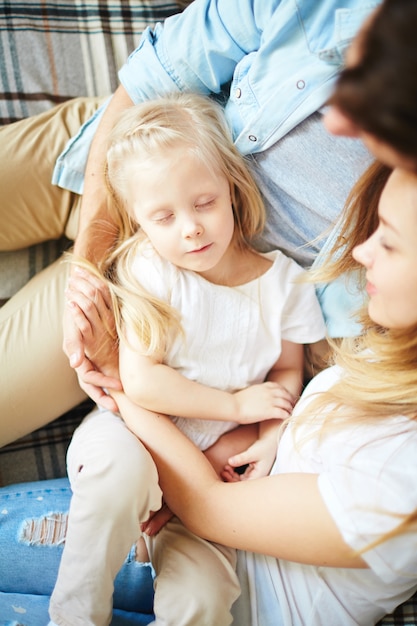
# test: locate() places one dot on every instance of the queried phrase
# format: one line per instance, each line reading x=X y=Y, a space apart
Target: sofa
x=50 y=52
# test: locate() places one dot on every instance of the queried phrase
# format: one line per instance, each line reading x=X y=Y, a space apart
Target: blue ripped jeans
x=32 y=524
x=76 y=557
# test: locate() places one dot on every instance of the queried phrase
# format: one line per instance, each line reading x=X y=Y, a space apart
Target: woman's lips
x=370 y=289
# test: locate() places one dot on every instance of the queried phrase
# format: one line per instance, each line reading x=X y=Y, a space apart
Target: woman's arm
x=282 y=515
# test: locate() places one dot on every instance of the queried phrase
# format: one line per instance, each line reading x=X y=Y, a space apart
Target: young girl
x=338 y=515
x=204 y=320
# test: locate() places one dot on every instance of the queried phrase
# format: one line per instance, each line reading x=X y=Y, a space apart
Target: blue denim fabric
x=276 y=65
x=28 y=569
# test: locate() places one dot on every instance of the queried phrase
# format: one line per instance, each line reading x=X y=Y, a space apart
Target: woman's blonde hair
x=369 y=388
x=379 y=368
x=144 y=132
x=359 y=219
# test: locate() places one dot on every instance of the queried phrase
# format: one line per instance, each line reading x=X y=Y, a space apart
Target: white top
x=232 y=334
x=366 y=479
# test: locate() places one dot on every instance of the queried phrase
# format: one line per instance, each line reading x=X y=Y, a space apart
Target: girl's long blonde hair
x=146 y=131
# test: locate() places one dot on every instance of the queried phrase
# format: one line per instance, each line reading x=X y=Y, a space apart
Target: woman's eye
x=383 y=243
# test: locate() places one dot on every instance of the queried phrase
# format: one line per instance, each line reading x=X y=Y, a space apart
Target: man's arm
x=95 y=237
x=96 y=232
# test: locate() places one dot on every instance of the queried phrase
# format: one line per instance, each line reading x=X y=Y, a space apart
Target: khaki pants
x=115 y=486
x=37 y=384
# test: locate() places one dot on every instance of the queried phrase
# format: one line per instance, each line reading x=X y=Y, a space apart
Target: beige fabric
x=115 y=486
x=32 y=209
x=204 y=585
x=37 y=384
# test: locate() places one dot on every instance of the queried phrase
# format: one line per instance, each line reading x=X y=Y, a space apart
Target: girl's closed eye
x=206 y=205
x=163 y=218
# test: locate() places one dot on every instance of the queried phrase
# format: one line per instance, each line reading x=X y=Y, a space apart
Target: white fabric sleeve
x=368 y=495
x=302 y=320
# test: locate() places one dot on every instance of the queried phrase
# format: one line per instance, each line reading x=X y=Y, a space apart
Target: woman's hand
x=90 y=337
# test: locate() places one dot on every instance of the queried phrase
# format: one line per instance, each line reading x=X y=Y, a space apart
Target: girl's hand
x=156 y=521
x=262 y=402
x=89 y=311
x=258 y=459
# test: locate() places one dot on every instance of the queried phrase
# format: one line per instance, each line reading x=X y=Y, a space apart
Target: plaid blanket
x=49 y=52
x=52 y=51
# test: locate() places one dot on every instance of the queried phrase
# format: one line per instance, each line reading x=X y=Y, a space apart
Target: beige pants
x=115 y=485
x=37 y=384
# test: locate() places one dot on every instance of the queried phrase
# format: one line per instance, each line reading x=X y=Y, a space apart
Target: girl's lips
x=203 y=249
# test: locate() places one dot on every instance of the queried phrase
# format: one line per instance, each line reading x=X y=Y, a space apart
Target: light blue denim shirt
x=275 y=60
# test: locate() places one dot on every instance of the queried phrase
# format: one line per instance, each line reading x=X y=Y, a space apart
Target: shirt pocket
x=329 y=31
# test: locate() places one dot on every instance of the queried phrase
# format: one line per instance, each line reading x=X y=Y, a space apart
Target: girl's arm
x=282 y=515
x=260 y=455
x=158 y=387
x=288 y=370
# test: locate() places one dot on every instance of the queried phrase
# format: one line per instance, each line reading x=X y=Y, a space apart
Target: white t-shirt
x=232 y=335
x=366 y=478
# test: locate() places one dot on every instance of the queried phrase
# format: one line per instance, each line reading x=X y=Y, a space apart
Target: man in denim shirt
x=273 y=63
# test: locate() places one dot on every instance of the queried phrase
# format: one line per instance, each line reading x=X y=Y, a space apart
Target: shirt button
x=253 y=138
x=238 y=93
x=300 y=84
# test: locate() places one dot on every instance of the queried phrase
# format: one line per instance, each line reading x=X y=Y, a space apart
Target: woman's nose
x=337 y=123
x=363 y=253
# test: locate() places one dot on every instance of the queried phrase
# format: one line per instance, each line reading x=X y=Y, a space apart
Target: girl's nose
x=192 y=228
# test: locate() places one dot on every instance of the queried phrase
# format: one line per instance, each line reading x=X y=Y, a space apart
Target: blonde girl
x=211 y=333
x=187 y=209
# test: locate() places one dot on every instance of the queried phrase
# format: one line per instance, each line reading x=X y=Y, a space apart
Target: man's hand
x=90 y=339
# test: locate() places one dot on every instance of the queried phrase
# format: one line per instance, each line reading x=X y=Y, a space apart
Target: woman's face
x=338 y=123
x=390 y=255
